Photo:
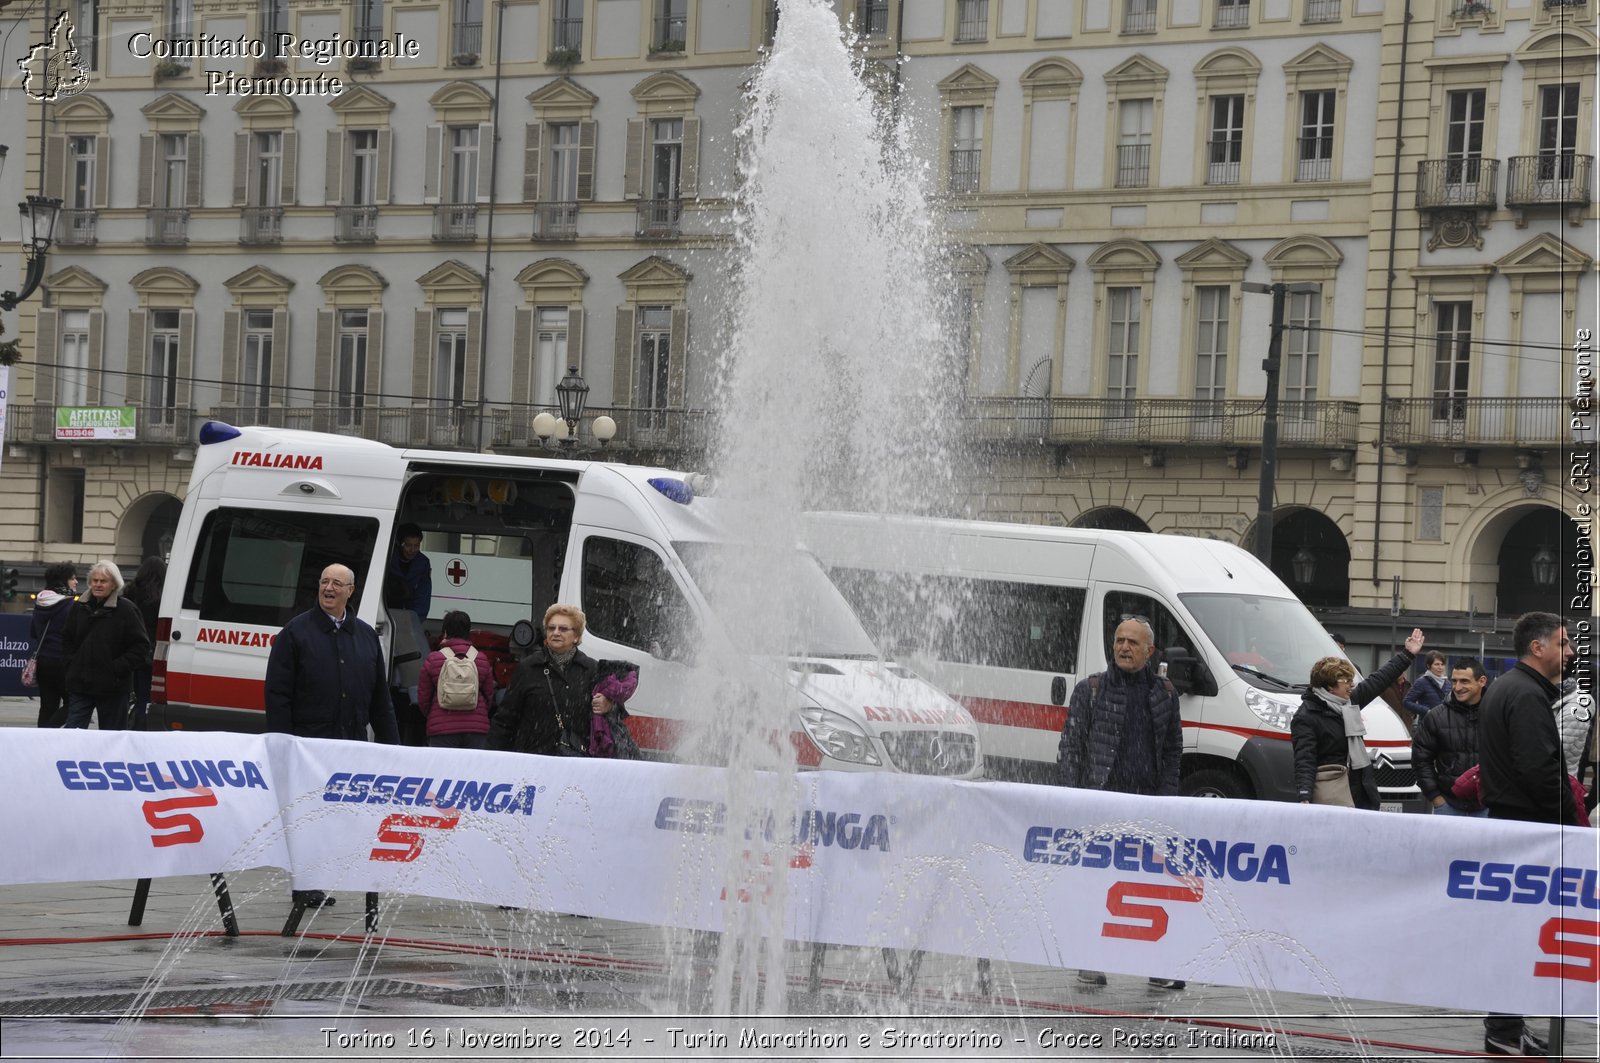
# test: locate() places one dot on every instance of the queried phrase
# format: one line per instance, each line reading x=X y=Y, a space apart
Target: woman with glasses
x=547 y=707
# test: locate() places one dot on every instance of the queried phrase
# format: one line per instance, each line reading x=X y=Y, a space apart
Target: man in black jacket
x=326 y=679
x=1445 y=743
x=105 y=642
x=1521 y=772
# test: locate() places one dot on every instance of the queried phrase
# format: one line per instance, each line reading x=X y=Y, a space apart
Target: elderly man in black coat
x=104 y=642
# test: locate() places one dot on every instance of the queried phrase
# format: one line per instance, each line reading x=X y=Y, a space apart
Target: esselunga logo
x=171 y=819
x=1174 y=856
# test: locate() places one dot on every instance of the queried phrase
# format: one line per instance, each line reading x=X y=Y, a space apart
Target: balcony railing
x=1140 y=17
x=556 y=221
x=1133 y=165
x=1322 y=10
x=671 y=33
x=972 y=23
x=355 y=225
x=658 y=219
x=77 y=228
x=965 y=166
x=455 y=221
x=36 y=423
x=1226 y=422
x=1223 y=170
x=1453 y=421
x=167 y=227
x=1471 y=9
x=261 y=225
x=466 y=43
x=1315 y=159
x=1549 y=180
x=872 y=19
x=1232 y=16
x=1467 y=182
x=567 y=33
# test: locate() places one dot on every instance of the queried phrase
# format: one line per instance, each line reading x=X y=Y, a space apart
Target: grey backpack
x=458 y=680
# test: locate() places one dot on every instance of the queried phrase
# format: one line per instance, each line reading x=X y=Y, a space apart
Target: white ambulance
x=1007 y=617
x=267 y=509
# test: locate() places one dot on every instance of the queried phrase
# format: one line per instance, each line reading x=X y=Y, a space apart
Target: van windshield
x=824 y=626
x=1276 y=640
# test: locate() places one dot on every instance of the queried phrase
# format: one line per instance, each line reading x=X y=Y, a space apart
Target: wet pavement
x=444 y=979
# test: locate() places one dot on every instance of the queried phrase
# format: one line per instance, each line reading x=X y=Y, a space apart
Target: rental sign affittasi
x=1258 y=894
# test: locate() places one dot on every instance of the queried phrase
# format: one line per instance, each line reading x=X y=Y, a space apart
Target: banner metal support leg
x=372 y=913
x=141 y=894
x=230 y=919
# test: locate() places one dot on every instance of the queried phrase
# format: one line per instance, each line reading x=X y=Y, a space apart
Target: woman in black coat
x=105 y=642
x=1327 y=730
x=51 y=608
x=547 y=707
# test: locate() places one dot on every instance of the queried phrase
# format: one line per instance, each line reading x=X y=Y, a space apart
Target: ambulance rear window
x=261 y=566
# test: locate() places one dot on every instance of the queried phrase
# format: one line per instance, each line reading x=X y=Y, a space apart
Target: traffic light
x=8 y=582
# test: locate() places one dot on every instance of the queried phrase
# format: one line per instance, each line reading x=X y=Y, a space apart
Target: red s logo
x=1154 y=917
x=392 y=830
x=188 y=829
x=1575 y=940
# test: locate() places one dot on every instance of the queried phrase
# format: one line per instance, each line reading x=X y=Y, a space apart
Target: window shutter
x=586 y=140
x=241 y=169
x=375 y=355
x=633 y=166
x=185 y=358
x=280 y=357
x=430 y=165
x=530 y=163
x=575 y=336
x=323 y=396
x=55 y=167
x=333 y=171
x=385 y=165
x=485 y=160
x=421 y=354
x=288 y=184
x=133 y=385
x=676 y=368
x=147 y=170
x=522 y=362
x=469 y=377
x=197 y=170
x=102 y=171
x=230 y=357
x=48 y=358
x=622 y=359
x=97 y=344
x=689 y=173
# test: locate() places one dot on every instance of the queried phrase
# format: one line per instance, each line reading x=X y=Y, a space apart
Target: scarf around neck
x=561 y=660
x=1354 y=726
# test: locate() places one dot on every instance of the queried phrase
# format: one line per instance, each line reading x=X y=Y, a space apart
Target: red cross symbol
x=456 y=572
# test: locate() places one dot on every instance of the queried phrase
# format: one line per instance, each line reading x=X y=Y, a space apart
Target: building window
x=872 y=19
x=369 y=20
x=564 y=162
x=567 y=29
x=1463 y=140
x=1139 y=16
x=274 y=20
x=363 y=167
x=63 y=521
x=351 y=374
x=549 y=352
x=1302 y=342
x=463 y=164
x=1122 y=351
x=268 y=170
x=1558 y=131
x=1211 y=349
x=466 y=32
x=175 y=167
x=655 y=361
x=966 y=148
x=72 y=361
x=255 y=367
x=666 y=158
x=672 y=26
x=1135 y=119
x=1232 y=14
x=81 y=167
x=86 y=31
x=450 y=359
x=180 y=24
x=1315 y=157
x=972 y=20
x=1226 y=147
x=1452 y=359
x=163 y=367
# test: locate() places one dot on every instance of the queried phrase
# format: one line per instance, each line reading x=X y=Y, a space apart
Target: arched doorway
x=148 y=528
x=1537 y=562
x=1310 y=554
x=1111 y=518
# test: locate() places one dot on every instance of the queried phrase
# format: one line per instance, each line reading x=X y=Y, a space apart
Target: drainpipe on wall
x=488 y=232
x=1388 y=296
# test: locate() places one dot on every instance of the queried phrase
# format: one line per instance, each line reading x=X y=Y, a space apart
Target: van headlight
x=1269 y=710
x=838 y=737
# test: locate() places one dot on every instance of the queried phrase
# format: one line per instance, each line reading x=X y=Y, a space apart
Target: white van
x=268 y=509
x=1007 y=617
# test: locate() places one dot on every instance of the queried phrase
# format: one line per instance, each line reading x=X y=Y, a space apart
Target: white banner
x=1459 y=913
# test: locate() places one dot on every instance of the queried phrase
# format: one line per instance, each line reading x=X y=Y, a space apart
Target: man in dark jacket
x=1521 y=772
x=1123 y=733
x=1445 y=743
x=547 y=707
x=104 y=642
x=326 y=679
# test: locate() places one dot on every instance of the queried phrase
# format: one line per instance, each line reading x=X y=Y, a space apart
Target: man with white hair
x=104 y=642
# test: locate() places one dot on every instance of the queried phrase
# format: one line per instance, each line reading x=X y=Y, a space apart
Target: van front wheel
x=1214 y=782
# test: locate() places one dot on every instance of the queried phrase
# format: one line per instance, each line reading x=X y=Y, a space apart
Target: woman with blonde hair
x=547 y=707
x=1331 y=764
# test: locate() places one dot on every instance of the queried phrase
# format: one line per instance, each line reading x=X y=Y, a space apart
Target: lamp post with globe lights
x=571 y=395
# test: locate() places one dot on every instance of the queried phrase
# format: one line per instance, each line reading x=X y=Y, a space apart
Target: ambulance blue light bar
x=676 y=490
x=217 y=432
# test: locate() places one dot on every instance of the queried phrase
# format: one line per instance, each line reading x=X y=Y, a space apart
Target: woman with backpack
x=51 y=608
x=456 y=688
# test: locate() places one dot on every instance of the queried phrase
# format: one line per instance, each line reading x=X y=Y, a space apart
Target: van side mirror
x=1189 y=675
x=1058 y=690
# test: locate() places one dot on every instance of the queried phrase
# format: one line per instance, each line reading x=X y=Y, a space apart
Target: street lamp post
x=39 y=215
x=571 y=396
x=1280 y=293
